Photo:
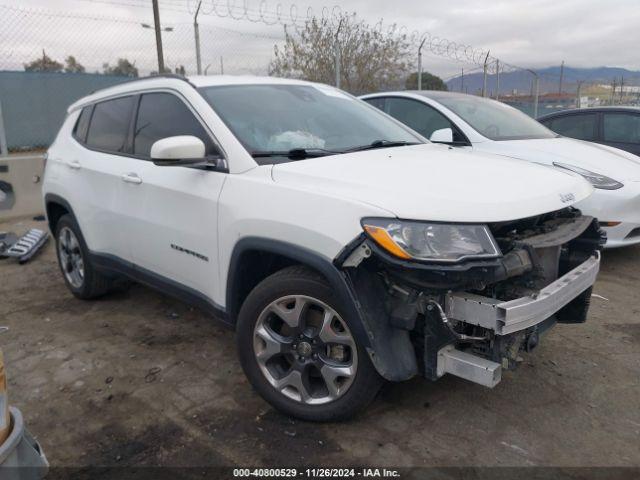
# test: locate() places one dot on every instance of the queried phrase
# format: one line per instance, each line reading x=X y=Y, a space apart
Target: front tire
x=297 y=350
x=78 y=271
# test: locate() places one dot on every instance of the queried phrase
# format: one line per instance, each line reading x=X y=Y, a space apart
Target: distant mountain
x=522 y=81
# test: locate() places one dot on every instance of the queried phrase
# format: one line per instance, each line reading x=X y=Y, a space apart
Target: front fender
x=389 y=348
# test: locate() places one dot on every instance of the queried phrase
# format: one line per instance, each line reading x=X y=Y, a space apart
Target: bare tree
x=123 y=68
x=72 y=65
x=370 y=59
x=43 y=64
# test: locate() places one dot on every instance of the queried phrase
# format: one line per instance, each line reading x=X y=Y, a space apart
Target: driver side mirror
x=179 y=151
x=444 y=135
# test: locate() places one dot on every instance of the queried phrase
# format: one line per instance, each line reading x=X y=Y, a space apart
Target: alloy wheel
x=305 y=349
x=71 y=259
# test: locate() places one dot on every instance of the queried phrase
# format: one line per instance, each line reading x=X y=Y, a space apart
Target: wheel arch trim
x=52 y=198
x=299 y=255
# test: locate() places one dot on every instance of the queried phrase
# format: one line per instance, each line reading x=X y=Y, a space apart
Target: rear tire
x=74 y=259
x=297 y=350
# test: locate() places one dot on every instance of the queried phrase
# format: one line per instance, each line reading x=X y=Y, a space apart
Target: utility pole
x=221 y=66
x=462 y=81
x=536 y=92
x=561 y=77
x=497 y=79
x=156 y=22
x=613 y=92
x=484 y=78
x=621 y=89
x=420 y=63
x=196 y=32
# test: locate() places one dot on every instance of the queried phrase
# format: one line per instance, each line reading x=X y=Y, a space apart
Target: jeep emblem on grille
x=567 y=197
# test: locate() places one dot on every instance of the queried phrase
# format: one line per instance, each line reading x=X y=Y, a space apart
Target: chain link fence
x=73 y=54
x=50 y=58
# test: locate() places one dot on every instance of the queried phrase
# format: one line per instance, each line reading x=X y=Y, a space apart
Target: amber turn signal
x=382 y=238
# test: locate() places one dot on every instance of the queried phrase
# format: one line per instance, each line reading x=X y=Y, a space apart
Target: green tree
x=72 y=65
x=122 y=68
x=43 y=64
x=370 y=59
x=429 y=82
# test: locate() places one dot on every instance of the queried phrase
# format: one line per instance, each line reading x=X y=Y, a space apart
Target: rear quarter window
x=82 y=124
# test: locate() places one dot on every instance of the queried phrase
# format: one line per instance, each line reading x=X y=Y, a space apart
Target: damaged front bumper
x=474 y=319
x=509 y=317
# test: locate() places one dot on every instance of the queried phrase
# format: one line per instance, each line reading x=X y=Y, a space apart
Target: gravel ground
x=138 y=378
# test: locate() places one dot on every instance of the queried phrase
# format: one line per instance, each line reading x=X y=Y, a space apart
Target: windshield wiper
x=294 y=153
x=381 y=144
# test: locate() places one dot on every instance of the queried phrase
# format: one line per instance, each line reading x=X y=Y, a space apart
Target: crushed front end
x=473 y=316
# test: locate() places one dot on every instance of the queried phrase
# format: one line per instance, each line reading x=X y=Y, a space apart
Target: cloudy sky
x=532 y=33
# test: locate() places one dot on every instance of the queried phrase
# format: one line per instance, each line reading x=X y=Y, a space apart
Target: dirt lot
x=138 y=378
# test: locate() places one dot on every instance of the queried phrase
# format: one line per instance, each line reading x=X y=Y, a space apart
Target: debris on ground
x=25 y=247
x=7 y=239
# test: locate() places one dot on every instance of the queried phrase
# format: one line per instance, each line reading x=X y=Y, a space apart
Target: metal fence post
x=196 y=32
x=535 y=101
x=337 y=58
x=420 y=64
x=497 y=79
x=536 y=86
x=579 y=95
x=4 y=148
x=337 y=54
x=484 y=76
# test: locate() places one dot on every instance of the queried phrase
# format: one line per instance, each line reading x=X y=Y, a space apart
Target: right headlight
x=434 y=242
x=598 y=181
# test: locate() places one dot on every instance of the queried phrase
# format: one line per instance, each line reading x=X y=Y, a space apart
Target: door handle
x=131 y=178
x=75 y=165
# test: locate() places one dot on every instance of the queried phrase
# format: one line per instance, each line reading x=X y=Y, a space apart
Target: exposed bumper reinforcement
x=506 y=317
x=470 y=367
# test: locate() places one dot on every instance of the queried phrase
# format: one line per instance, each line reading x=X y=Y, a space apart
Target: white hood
x=612 y=162
x=435 y=182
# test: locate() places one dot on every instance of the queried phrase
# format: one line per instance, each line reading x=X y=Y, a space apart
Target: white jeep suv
x=343 y=248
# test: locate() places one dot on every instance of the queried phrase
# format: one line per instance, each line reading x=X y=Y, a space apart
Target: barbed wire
x=280 y=15
x=56 y=13
x=245 y=10
x=26 y=32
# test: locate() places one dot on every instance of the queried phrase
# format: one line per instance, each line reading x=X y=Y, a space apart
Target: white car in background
x=484 y=125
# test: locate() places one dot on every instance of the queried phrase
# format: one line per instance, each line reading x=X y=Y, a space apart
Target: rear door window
x=162 y=115
x=583 y=126
x=621 y=128
x=110 y=125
